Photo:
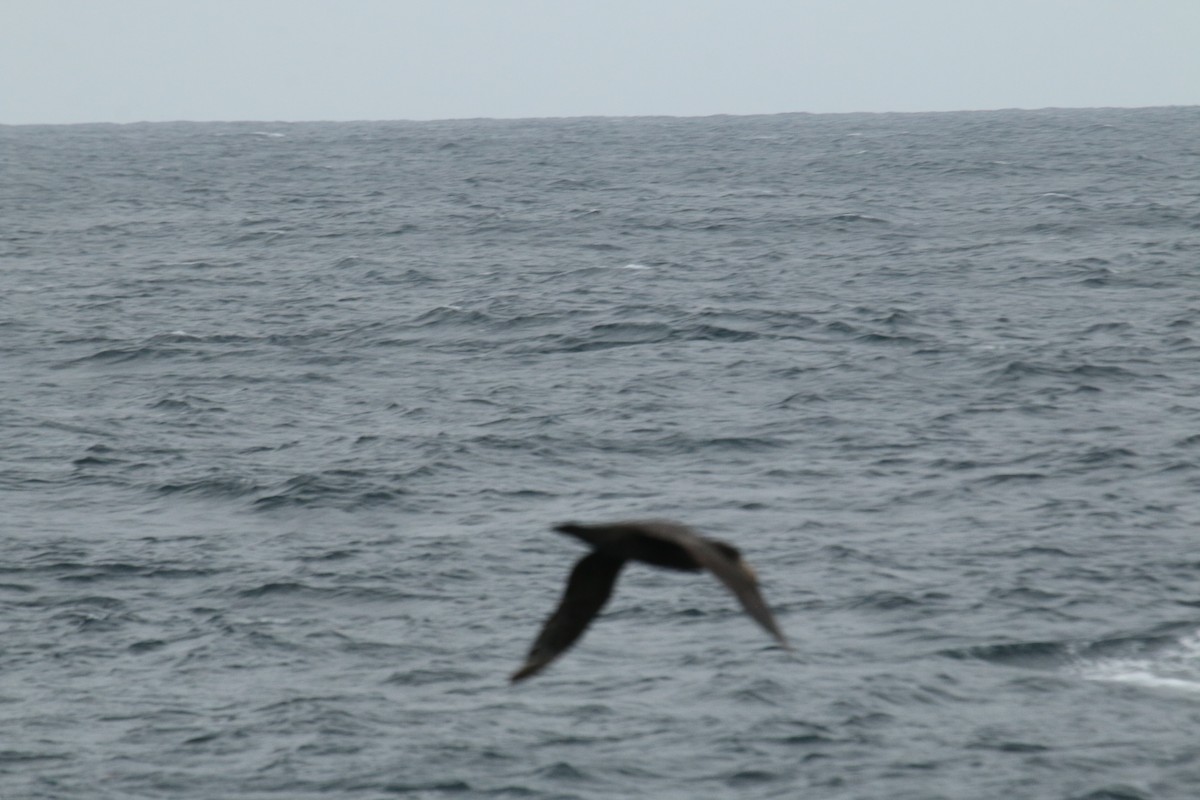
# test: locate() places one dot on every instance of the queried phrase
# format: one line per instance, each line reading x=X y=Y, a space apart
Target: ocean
x=288 y=410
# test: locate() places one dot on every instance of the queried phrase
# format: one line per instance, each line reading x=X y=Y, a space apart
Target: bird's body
x=660 y=543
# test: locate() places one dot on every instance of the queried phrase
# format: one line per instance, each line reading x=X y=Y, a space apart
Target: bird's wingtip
x=524 y=672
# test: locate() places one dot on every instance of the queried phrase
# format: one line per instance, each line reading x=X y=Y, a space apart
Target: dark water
x=287 y=410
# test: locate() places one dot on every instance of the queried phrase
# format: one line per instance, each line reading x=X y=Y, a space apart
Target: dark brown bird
x=661 y=543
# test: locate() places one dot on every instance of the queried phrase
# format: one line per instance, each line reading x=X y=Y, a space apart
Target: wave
x=609 y=335
x=1152 y=660
x=352 y=488
x=123 y=355
x=1021 y=370
x=214 y=487
x=1173 y=664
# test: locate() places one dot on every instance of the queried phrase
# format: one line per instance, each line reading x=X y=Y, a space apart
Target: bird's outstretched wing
x=737 y=576
x=587 y=591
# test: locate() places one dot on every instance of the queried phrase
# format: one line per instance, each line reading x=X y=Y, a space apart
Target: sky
x=69 y=61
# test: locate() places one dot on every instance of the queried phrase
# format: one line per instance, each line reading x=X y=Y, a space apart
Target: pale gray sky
x=130 y=60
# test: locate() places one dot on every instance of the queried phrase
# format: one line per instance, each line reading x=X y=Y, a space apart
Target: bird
x=661 y=543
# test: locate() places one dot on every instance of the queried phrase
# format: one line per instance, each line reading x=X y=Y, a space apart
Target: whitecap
x=1175 y=667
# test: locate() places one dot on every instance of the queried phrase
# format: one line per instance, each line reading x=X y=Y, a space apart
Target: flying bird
x=661 y=543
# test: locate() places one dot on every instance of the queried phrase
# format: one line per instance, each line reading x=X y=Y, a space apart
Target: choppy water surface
x=287 y=410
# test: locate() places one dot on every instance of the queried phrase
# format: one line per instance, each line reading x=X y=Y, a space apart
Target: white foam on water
x=1174 y=667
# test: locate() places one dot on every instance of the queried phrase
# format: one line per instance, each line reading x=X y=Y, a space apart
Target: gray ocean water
x=286 y=411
